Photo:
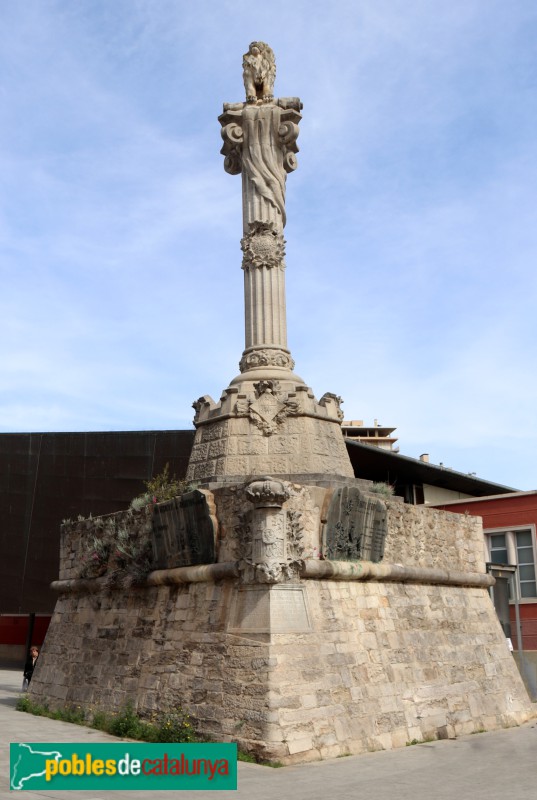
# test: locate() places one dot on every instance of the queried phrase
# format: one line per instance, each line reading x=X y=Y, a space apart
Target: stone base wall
x=381 y=665
x=341 y=657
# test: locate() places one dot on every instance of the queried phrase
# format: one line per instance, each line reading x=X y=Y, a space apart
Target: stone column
x=267 y=422
x=260 y=142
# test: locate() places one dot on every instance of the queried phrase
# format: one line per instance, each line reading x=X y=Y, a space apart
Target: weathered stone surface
x=78 y=553
x=184 y=530
x=356 y=526
x=292 y=688
x=275 y=609
x=346 y=666
x=285 y=445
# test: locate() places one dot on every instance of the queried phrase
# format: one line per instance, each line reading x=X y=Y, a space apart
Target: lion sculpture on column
x=259 y=73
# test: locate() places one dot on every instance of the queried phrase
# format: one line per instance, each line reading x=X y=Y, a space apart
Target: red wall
x=14 y=629
x=506 y=511
x=501 y=511
x=528 y=622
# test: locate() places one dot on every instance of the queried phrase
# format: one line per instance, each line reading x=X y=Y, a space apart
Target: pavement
x=487 y=766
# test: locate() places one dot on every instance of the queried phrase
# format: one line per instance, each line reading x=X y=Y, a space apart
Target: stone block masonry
x=377 y=662
x=384 y=664
x=268 y=427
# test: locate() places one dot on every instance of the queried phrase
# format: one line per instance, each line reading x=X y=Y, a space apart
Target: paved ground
x=491 y=766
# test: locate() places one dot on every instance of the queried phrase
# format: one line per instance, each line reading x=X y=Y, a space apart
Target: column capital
x=260 y=140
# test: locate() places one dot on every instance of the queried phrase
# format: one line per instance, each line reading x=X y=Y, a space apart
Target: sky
x=411 y=232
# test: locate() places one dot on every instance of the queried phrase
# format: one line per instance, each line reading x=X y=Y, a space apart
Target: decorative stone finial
x=259 y=73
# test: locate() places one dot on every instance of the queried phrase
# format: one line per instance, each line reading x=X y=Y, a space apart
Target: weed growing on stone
x=126 y=724
x=175 y=726
x=74 y=714
x=383 y=489
x=99 y=720
x=421 y=741
x=165 y=486
x=38 y=710
x=169 y=726
x=248 y=758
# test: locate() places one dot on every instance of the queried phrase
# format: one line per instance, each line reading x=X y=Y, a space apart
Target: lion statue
x=259 y=73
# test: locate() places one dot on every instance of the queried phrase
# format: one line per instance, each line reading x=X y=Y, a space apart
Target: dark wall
x=47 y=477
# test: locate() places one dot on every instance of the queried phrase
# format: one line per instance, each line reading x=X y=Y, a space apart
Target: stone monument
x=268 y=419
x=290 y=608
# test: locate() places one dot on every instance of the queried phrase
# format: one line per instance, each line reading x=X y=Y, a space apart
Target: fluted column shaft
x=264 y=303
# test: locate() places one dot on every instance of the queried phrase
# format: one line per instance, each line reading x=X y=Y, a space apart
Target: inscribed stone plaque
x=356 y=526
x=184 y=531
x=269 y=609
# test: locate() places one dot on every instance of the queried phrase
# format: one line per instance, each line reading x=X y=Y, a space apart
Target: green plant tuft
x=167 y=726
x=248 y=758
x=175 y=726
x=383 y=489
x=165 y=486
x=23 y=704
x=139 y=502
x=126 y=724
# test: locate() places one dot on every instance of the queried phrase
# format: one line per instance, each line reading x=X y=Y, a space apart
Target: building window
x=516 y=547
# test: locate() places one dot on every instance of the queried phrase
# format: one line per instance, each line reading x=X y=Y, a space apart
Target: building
x=375 y=435
x=509 y=526
x=415 y=479
x=48 y=477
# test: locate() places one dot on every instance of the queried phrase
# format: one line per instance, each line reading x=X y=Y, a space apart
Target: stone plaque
x=269 y=609
x=184 y=531
x=356 y=526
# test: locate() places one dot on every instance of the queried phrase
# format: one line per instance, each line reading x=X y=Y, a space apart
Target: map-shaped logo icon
x=28 y=762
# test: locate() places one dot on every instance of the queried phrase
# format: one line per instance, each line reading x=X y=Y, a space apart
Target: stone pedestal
x=268 y=426
x=293 y=655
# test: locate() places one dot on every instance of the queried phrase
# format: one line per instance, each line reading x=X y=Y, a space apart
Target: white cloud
x=411 y=236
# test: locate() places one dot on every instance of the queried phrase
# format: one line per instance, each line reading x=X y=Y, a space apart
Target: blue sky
x=411 y=235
